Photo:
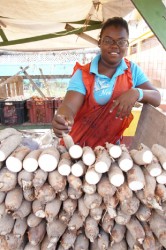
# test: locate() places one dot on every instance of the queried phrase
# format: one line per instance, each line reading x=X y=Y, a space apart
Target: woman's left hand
x=124 y=103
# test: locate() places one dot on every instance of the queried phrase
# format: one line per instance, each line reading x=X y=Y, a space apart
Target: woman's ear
x=99 y=43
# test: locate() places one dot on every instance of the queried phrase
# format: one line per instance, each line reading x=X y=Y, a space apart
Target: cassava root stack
x=102 y=198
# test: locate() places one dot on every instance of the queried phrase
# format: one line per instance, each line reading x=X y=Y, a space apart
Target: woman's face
x=113 y=44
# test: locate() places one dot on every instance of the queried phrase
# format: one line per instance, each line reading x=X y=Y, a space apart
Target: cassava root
x=121 y=206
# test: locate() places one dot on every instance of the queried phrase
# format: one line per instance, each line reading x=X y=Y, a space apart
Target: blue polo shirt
x=104 y=85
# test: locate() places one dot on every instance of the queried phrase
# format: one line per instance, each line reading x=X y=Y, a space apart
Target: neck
x=107 y=69
x=108 y=64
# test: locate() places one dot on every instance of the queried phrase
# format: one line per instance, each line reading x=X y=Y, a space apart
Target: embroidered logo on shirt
x=101 y=84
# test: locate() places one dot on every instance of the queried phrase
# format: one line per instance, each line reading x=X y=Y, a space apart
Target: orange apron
x=94 y=124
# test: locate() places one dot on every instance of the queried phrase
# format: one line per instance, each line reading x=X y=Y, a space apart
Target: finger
x=59 y=126
x=126 y=113
x=58 y=120
x=120 y=111
x=70 y=122
x=59 y=133
x=67 y=121
x=114 y=105
x=62 y=119
x=124 y=110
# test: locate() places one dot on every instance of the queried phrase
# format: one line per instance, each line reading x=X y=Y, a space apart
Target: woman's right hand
x=62 y=124
x=64 y=118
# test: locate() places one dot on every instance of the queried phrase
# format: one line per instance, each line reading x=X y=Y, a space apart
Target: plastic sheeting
x=29 y=18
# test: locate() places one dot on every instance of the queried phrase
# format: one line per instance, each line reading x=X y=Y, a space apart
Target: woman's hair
x=115 y=21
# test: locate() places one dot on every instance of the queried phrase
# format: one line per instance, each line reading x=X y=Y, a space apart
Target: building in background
x=146 y=50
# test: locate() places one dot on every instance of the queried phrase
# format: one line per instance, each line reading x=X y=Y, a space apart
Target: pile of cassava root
x=68 y=197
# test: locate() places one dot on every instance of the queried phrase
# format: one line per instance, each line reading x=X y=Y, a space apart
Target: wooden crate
x=151 y=128
x=40 y=111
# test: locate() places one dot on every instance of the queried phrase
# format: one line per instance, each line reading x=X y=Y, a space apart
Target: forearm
x=152 y=97
x=150 y=94
x=71 y=103
x=64 y=117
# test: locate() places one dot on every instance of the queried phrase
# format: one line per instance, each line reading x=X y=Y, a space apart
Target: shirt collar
x=94 y=66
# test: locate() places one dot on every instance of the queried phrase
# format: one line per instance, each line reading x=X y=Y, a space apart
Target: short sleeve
x=138 y=76
x=76 y=83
